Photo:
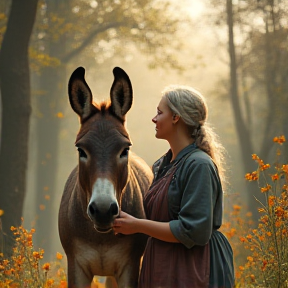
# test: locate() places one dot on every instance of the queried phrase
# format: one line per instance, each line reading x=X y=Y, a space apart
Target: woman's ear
x=175 y=118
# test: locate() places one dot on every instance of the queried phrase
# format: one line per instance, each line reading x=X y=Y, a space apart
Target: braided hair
x=191 y=106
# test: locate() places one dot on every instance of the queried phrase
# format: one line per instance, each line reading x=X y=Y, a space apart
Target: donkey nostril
x=114 y=209
x=93 y=209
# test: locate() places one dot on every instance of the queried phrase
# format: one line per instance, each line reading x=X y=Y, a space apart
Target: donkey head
x=103 y=145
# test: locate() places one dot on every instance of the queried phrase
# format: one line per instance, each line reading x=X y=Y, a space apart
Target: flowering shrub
x=24 y=268
x=267 y=262
x=237 y=221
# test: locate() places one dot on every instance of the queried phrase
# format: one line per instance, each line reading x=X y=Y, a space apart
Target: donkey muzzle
x=102 y=215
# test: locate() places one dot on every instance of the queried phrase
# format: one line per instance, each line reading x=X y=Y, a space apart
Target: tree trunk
x=16 y=109
x=244 y=134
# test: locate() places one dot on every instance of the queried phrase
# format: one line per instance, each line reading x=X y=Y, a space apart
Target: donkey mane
x=103 y=106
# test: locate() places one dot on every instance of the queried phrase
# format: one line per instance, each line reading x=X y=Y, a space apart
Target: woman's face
x=163 y=120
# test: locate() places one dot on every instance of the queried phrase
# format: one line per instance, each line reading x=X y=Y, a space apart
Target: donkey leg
x=129 y=276
x=77 y=276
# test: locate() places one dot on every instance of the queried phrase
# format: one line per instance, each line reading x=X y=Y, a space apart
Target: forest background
x=234 y=52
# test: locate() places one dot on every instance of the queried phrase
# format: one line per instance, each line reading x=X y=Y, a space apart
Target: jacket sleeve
x=198 y=186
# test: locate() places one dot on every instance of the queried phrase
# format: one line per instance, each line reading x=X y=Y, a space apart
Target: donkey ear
x=121 y=93
x=80 y=95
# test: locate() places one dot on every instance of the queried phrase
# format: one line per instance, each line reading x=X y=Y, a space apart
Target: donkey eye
x=82 y=154
x=124 y=153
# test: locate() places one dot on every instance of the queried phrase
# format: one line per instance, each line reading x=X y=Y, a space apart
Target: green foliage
x=101 y=30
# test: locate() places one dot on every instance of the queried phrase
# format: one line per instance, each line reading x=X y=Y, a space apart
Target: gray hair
x=188 y=103
x=191 y=106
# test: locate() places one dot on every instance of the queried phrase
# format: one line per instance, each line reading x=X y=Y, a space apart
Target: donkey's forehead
x=104 y=127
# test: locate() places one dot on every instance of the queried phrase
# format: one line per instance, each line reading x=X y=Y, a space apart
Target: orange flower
x=261 y=238
x=275 y=177
x=231 y=233
x=249 y=236
x=264 y=166
x=278 y=223
x=7 y=272
x=264 y=219
x=248 y=176
x=280 y=140
x=252 y=277
x=5 y=262
x=264 y=265
x=285 y=168
x=237 y=207
x=237 y=274
x=250 y=259
x=49 y=283
x=46 y=266
x=271 y=200
x=59 y=256
x=252 y=176
x=279 y=211
x=59 y=115
x=63 y=284
x=249 y=214
x=255 y=157
x=37 y=255
x=263 y=190
x=29 y=237
x=243 y=239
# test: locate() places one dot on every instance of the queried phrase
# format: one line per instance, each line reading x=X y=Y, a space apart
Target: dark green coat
x=195 y=203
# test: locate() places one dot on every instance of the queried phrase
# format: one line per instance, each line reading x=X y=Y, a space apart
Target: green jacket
x=195 y=196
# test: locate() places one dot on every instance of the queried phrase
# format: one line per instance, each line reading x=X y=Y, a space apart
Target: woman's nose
x=154 y=119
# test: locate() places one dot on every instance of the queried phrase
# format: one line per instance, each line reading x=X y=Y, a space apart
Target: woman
x=184 y=203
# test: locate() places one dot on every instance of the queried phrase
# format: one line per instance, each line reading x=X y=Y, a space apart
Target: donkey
x=107 y=179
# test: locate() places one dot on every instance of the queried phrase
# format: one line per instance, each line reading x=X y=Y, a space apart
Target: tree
x=241 y=126
x=69 y=30
x=258 y=75
x=16 y=109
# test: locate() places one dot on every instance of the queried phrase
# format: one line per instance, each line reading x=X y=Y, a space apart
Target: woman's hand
x=126 y=224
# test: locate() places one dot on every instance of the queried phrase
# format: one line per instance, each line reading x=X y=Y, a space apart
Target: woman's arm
x=128 y=224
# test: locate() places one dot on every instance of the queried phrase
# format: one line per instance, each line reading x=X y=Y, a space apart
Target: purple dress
x=173 y=265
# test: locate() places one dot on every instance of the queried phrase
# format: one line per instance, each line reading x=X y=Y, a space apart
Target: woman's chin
x=158 y=136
